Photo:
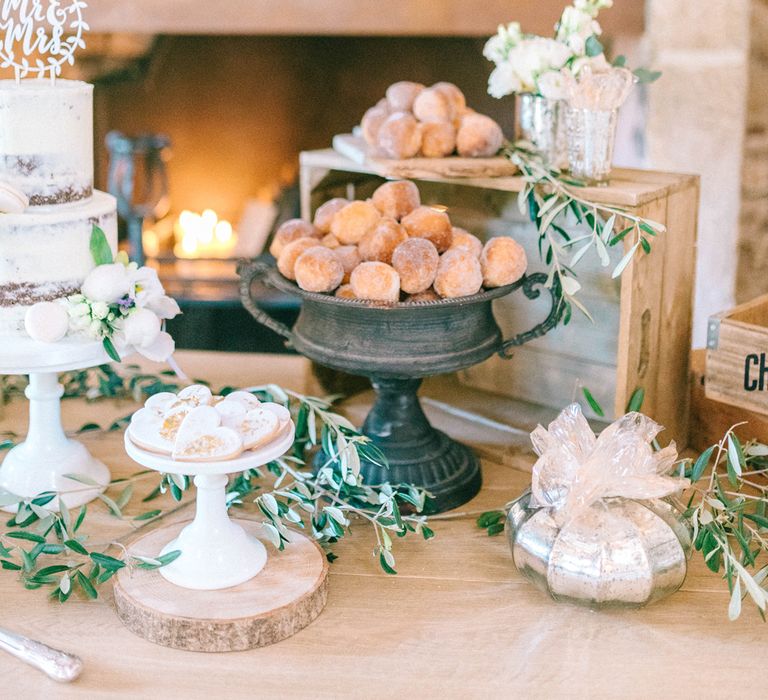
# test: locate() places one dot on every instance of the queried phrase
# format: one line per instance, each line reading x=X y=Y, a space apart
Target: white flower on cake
x=106 y=283
x=120 y=304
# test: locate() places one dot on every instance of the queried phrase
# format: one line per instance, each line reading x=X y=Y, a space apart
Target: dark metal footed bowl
x=395 y=346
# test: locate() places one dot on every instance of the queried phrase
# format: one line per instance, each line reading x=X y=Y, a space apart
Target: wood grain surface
x=456 y=622
x=287 y=595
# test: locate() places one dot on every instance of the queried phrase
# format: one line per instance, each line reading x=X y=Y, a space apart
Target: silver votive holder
x=591 y=136
x=541 y=122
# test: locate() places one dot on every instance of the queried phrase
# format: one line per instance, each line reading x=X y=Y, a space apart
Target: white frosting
x=12 y=199
x=46 y=139
x=48 y=253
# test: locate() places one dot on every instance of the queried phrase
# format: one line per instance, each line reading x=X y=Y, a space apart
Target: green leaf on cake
x=100 y=250
x=109 y=348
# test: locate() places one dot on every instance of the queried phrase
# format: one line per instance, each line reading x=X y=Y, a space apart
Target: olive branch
x=553 y=202
x=325 y=502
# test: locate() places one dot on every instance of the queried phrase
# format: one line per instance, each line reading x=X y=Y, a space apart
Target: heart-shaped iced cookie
x=283 y=417
x=244 y=397
x=232 y=413
x=192 y=396
x=160 y=402
x=258 y=427
x=145 y=432
x=202 y=438
x=172 y=420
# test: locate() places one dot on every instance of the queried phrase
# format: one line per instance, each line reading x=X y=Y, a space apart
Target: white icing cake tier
x=46 y=139
x=45 y=254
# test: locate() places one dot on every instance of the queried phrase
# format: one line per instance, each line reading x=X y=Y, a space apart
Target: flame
x=203 y=235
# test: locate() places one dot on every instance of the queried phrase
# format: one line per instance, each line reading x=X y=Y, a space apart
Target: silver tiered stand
x=43 y=460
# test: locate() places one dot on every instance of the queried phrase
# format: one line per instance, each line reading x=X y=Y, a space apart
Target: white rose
x=503 y=81
x=552 y=85
x=141 y=328
x=99 y=310
x=80 y=310
x=108 y=283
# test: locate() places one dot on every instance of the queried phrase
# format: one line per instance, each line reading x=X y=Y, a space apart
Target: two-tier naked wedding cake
x=46 y=153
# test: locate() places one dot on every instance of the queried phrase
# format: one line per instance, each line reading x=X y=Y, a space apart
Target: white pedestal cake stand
x=222 y=605
x=40 y=462
x=216 y=552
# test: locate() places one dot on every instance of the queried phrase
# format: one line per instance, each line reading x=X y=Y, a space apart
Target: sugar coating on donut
x=438 y=139
x=353 y=221
x=330 y=241
x=380 y=243
x=429 y=223
x=290 y=253
x=464 y=239
x=326 y=211
x=427 y=295
x=432 y=106
x=453 y=94
x=318 y=269
x=416 y=262
x=375 y=281
x=458 y=274
x=345 y=292
x=397 y=198
x=371 y=122
x=350 y=259
x=289 y=231
x=400 y=95
x=503 y=261
x=399 y=136
x=479 y=136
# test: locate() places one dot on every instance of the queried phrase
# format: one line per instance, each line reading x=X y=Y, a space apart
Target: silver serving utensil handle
x=59 y=665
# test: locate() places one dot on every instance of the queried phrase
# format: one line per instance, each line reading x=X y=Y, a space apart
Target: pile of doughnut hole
x=391 y=248
x=432 y=122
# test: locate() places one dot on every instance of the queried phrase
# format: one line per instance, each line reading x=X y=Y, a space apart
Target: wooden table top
x=456 y=622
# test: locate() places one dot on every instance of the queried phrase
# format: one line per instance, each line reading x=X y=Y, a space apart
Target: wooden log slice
x=289 y=593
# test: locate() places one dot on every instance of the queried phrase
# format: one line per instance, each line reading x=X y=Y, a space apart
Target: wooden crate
x=642 y=334
x=737 y=356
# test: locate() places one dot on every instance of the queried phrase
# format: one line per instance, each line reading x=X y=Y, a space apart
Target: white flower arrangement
x=122 y=305
x=526 y=63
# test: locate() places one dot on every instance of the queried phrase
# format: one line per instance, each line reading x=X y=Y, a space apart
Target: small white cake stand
x=40 y=462
x=215 y=551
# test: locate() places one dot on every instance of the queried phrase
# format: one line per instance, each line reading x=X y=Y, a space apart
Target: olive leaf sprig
x=329 y=499
x=727 y=509
x=103 y=382
x=548 y=198
x=39 y=535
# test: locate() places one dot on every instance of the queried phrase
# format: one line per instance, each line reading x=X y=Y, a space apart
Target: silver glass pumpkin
x=617 y=553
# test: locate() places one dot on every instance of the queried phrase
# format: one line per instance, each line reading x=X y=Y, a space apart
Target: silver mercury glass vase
x=541 y=122
x=591 y=137
x=617 y=553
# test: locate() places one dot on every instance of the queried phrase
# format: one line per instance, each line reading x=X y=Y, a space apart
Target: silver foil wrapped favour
x=596 y=528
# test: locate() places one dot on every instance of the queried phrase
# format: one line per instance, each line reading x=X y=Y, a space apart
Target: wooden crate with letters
x=642 y=331
x=737 y=356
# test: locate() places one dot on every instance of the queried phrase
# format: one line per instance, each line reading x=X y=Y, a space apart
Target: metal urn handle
x=58 y=665
x=529 y=284
x=248 y=272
